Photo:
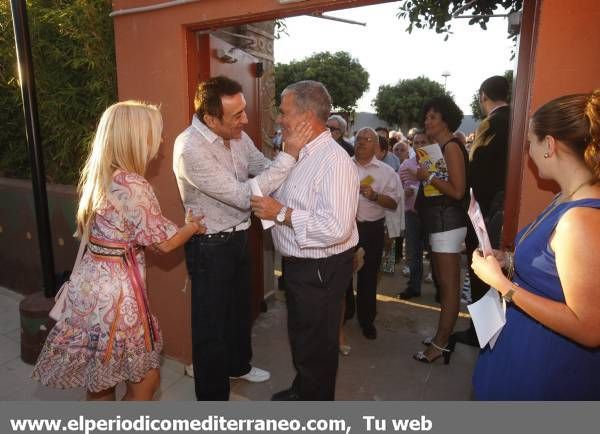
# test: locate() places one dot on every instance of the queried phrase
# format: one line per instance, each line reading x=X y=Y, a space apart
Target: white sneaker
x=256 y=375
x=405 y=271
x=189 y=370
x=429 y=278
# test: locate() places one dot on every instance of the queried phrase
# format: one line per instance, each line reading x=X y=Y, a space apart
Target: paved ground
x=375 y=370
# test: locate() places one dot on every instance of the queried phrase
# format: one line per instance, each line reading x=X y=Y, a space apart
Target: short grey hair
x=340 y=121
x=371 y=132
x=311 y=95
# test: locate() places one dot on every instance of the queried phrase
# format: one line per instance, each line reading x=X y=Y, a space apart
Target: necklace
x=558 y=200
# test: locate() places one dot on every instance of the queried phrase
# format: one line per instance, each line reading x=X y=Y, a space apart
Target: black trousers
x=370 y=238
x=219 y=269
x=314 y=293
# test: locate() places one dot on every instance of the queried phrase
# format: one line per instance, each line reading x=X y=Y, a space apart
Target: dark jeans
x=314 y=293
x=370 y=238
x=219 y=269
x=414 y=251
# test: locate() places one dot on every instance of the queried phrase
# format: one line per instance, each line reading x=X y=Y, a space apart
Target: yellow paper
x=368 y=180
x=430 y=157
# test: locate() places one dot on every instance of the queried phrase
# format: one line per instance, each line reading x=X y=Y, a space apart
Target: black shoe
x=407 y=295
x=466 y=337
x=370 y=332
x=286 y=395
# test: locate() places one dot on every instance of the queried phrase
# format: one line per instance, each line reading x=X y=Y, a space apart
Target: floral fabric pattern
x=100 y=340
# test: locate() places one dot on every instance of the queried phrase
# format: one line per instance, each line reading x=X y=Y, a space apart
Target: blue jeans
x=414 y=239
x=219 y=269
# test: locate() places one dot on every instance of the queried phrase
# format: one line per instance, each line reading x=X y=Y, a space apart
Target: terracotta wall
x=564 y=60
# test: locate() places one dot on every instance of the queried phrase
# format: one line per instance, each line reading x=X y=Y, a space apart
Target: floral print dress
x=106 y=333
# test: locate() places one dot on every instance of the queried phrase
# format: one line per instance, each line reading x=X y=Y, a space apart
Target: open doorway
x=175 y=89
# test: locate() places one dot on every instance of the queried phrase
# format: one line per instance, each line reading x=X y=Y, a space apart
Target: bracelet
x=429 y=179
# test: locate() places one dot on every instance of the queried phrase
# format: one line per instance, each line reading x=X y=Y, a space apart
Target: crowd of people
x=337 y=205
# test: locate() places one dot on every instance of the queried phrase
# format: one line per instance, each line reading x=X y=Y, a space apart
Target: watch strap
x=508 y=296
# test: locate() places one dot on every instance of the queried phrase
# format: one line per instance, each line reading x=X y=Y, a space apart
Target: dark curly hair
x=451 y=114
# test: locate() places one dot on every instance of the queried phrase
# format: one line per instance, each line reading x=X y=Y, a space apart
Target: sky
x=389 y=53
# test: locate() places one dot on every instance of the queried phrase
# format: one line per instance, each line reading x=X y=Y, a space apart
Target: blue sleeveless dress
x=530 y=361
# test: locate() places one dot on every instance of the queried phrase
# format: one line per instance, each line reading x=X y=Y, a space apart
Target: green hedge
x=74 y=63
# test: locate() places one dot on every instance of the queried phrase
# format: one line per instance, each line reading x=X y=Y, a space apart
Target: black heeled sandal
x=445 y=352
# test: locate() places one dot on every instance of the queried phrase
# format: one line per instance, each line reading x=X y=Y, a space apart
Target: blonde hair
x=128 y=137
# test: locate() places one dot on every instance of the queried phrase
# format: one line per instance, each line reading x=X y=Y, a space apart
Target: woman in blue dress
x=549 y=348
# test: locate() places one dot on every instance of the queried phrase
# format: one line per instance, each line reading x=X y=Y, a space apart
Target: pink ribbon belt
x=126 y=253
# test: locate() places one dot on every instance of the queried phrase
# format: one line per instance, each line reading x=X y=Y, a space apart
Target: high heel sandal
x=445 y=352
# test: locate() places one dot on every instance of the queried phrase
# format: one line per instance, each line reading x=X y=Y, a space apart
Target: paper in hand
x=266 y=224
x=367 y=181
x=431 y=158
x=479 y=226
x=489 y=316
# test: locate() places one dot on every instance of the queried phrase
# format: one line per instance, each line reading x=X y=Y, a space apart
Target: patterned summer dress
x=106 y=333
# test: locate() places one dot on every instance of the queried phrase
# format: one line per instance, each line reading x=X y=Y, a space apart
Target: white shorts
x=449 y=241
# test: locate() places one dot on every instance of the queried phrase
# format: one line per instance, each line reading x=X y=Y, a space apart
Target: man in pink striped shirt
x=315 y=212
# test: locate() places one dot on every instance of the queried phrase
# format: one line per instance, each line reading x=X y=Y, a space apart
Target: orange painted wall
x=565 y=60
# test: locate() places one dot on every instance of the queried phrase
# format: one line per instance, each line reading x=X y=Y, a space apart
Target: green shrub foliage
x=74 y=64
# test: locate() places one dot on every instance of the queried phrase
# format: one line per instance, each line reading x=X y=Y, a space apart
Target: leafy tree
x=476 y=108
x=400 y=104
x=344 y=77
x=73 y=52
x=435 y=14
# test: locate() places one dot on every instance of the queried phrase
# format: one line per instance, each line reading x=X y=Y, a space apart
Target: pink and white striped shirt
x=322 y=189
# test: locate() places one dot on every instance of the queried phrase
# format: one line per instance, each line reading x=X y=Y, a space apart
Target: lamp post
x=446 y=74
x=35 y=322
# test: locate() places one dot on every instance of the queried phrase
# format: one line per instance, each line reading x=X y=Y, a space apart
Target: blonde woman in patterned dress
x=105 y=333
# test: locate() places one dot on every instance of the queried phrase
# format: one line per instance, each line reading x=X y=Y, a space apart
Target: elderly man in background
x=379 y=191
x=315 y=231
x=337 y=126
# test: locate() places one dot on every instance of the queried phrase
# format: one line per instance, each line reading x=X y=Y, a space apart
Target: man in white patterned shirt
x=212 y=161
x=315 y=212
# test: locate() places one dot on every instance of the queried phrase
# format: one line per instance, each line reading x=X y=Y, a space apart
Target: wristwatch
x=281 y=215
x=509 y=294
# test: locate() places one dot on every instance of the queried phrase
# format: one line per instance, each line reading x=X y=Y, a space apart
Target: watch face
x=281 y=215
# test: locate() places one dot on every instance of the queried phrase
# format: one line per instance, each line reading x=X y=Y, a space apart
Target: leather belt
x=241 y=227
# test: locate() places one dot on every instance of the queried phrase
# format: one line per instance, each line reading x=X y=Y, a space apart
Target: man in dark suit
x=337 y=125
x=487 y=176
